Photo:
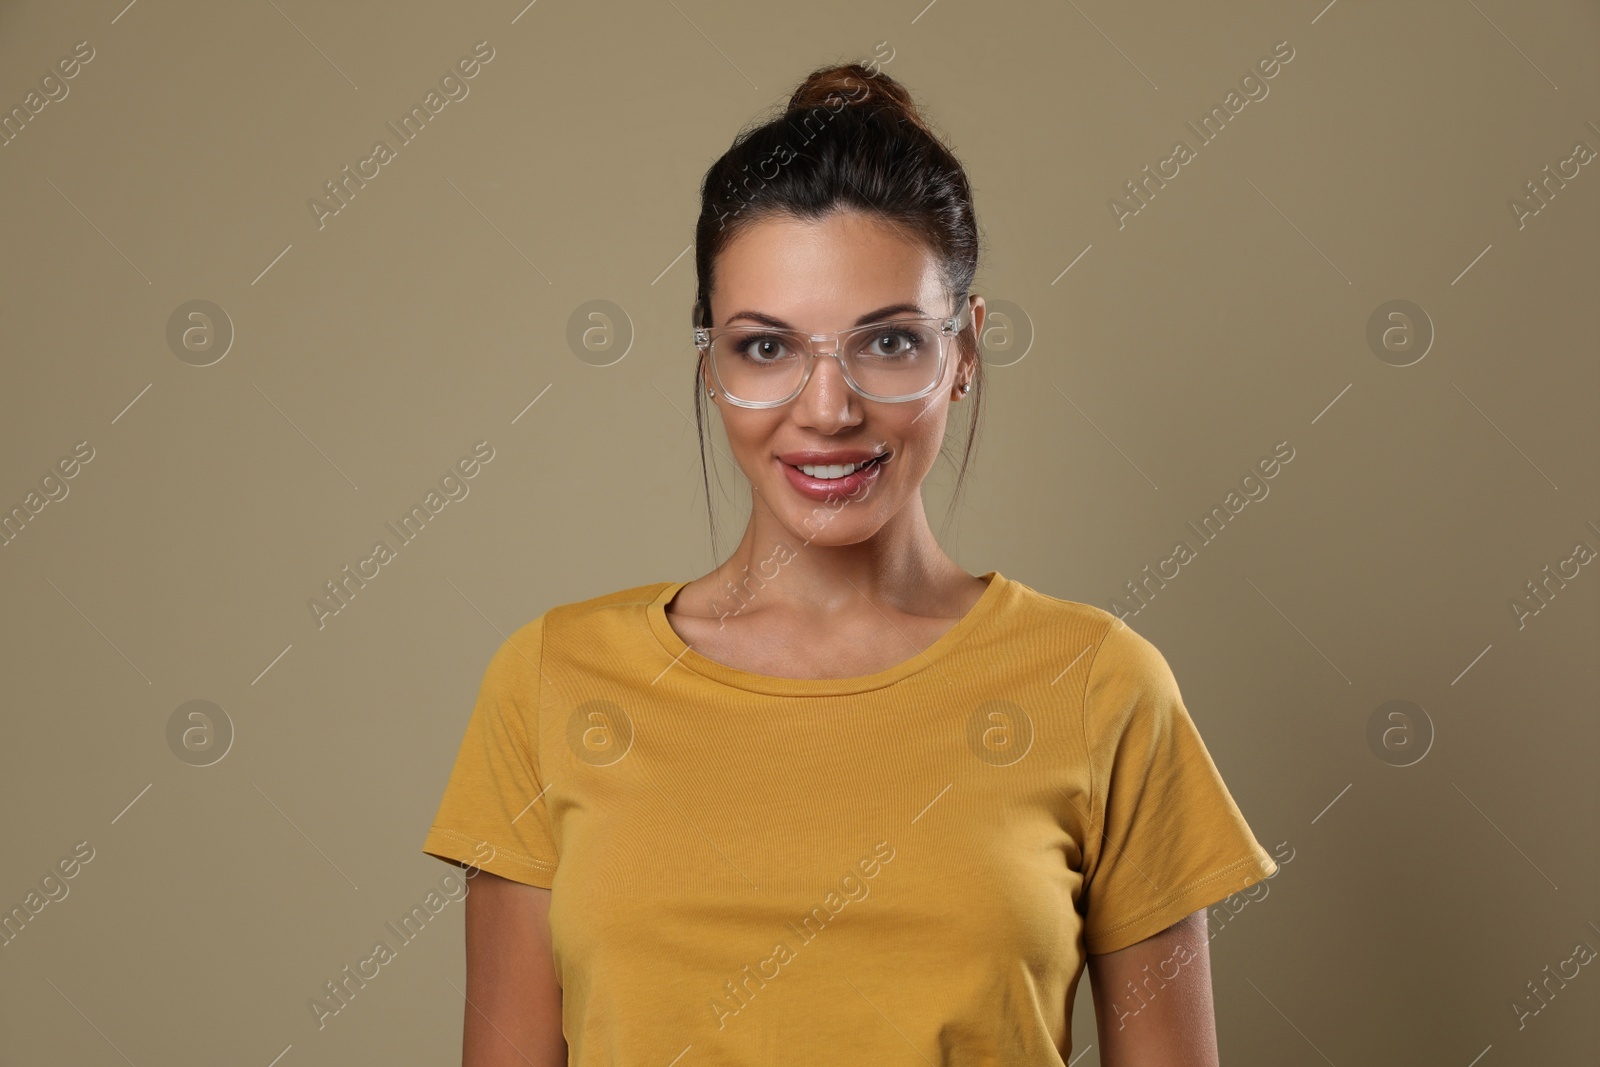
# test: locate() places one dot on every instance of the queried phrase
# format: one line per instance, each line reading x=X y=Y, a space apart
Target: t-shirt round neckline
x=685 y=656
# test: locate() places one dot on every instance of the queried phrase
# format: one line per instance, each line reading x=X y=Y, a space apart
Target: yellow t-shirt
x=905 y=867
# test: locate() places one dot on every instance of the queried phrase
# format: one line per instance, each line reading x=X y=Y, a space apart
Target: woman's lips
x=827 y=488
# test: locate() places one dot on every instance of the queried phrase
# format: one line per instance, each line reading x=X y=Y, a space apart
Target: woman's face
x=824 y=276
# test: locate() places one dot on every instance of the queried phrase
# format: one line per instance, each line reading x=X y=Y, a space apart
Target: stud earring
x=711 y=392
x=966 y=387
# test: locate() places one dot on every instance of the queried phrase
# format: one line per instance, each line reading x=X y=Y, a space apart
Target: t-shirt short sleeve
x=493 y=815
x=1166 y=837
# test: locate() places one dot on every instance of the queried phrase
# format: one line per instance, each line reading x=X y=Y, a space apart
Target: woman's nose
x=826 y=395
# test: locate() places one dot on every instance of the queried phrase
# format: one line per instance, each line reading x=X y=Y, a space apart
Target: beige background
x=369 y=355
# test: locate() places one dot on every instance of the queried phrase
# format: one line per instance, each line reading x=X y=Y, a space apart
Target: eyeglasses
x=891 y=362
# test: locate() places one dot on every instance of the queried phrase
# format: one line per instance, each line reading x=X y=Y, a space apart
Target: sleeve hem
x=454 y=847
x=1200 y=893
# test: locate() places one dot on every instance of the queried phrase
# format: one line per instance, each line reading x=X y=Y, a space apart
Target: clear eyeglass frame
x=948 y=329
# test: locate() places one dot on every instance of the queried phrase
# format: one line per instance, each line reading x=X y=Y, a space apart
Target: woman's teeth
x=832 y=471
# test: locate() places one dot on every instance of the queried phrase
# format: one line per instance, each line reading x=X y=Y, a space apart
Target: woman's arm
x=1165 y=1017
x=513 y=1009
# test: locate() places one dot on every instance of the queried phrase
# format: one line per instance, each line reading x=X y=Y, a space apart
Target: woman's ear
x=980 y=312
x=706 y=384
x=972 y=347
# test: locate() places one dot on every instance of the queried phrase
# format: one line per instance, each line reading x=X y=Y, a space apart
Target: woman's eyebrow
x=870 y=317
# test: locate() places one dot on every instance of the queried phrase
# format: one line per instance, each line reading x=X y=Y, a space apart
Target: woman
x=838 y=801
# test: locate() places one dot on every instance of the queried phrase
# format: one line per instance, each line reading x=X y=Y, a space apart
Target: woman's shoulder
x=632 y=597
x=1107 y=640
x=1075 y=615
x=598 y=622
x=595 y=614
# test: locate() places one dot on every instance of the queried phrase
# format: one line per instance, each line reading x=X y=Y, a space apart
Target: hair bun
x=859 y=86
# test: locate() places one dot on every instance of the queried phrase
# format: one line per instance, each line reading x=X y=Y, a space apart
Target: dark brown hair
x=850 y=139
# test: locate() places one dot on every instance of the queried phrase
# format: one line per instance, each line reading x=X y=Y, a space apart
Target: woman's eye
x=763 y=349
x=892 y=343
